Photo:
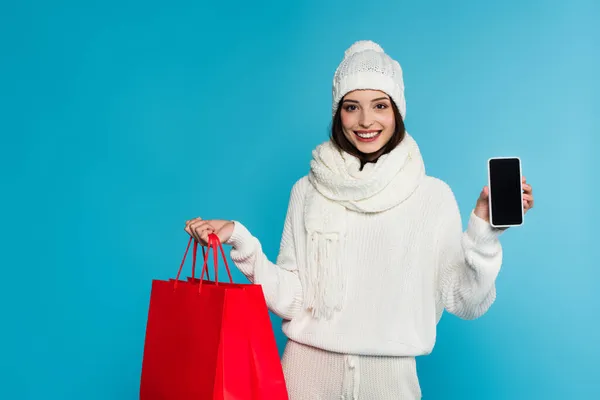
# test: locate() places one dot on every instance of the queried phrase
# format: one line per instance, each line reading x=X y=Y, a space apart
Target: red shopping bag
x=209 y=340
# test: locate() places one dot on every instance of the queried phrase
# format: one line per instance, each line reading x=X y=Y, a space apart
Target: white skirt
x=315 y=374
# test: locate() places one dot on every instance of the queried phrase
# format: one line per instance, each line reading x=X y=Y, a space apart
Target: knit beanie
x=367 y=66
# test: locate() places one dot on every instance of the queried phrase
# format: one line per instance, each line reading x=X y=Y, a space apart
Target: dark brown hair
x=339 y=139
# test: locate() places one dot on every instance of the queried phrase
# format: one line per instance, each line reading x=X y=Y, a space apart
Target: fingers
x=199 y=230
x=527 y=195
x=526 y=187
x=203 y=231
x=187 y=227
x=485 y=192
x=527 y=202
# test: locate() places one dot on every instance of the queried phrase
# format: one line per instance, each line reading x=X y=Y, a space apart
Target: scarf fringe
x=326 y=287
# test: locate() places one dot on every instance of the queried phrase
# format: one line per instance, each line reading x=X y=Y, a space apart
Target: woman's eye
x=350 y=107
x=381 y=106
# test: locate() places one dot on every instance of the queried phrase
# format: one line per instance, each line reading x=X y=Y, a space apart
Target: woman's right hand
x=199 y=229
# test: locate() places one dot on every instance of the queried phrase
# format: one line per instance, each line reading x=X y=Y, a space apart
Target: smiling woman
x=367 y=124
x=372 y=251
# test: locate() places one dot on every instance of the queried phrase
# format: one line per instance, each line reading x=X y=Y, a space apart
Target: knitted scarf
x=339 y=186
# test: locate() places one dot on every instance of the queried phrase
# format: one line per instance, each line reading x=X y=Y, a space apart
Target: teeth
x=367 y=135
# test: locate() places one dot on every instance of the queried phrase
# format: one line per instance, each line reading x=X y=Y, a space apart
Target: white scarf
x=338 y=185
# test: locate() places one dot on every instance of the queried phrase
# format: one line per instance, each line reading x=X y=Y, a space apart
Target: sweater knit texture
x=402 y=268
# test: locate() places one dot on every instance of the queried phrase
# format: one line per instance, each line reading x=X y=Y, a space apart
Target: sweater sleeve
x=280 y=281
x=469 y=263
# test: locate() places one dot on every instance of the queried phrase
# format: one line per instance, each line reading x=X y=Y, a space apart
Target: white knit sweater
x=403 y=267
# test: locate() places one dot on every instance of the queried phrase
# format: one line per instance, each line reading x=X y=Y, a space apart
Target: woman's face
x=368 y=119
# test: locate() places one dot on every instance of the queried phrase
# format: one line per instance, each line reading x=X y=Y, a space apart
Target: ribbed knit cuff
x=481 y=231
x=241 y=238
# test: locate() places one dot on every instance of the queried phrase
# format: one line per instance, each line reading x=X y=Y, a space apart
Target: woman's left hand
x=482 y=208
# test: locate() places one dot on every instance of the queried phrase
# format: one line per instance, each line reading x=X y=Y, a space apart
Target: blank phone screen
x=505 y=191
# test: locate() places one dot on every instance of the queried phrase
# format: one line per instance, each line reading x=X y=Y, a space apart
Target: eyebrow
x=377 y=99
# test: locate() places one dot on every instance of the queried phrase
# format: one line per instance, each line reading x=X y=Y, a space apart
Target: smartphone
x=506 y=192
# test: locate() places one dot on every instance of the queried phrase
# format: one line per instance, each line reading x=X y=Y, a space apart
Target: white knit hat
x=367 y=66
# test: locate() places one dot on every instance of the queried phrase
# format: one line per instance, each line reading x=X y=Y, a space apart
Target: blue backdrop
x=119 y=120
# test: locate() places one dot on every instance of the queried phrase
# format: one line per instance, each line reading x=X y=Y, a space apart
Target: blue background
x=119 y=120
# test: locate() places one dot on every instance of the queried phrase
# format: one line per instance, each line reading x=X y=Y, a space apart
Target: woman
x=372 y=250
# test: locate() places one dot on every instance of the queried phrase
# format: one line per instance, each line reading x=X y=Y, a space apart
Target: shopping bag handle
x=213 y=243
x=194 y=256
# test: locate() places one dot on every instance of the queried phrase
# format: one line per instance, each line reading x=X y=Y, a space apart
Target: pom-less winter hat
x=367 y=66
